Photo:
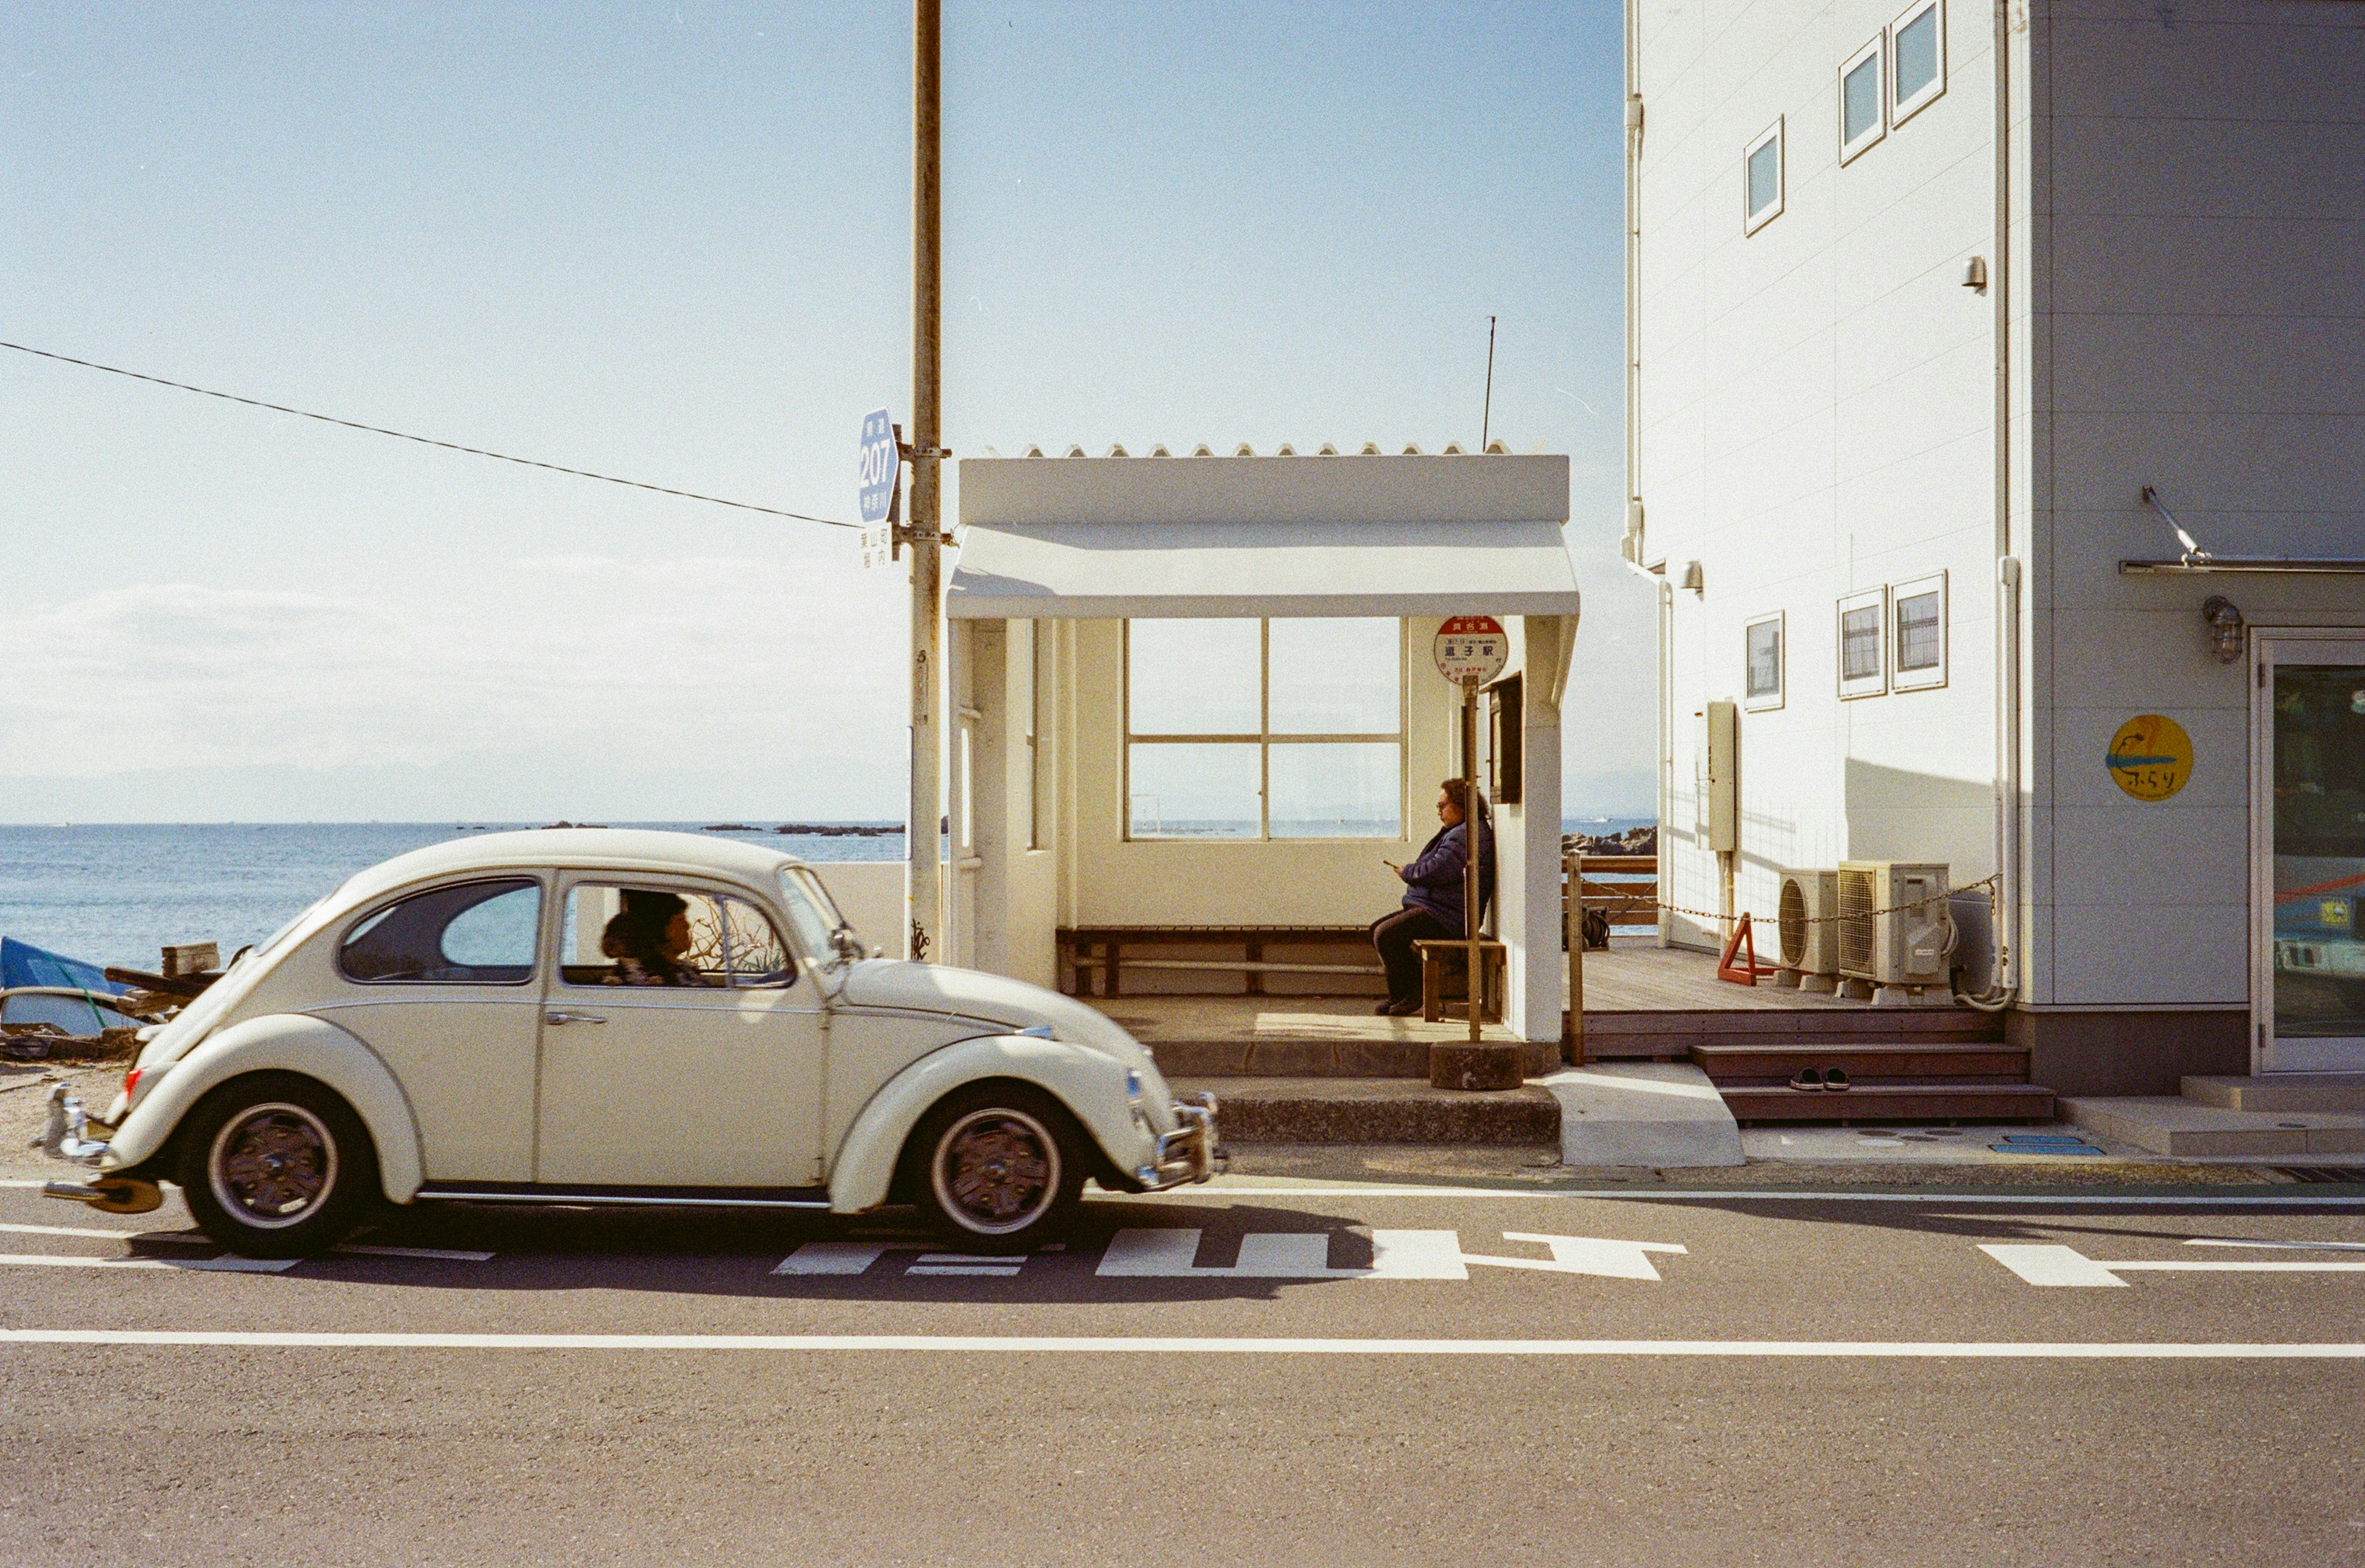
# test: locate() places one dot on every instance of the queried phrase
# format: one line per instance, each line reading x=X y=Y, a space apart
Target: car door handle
x=572 y=1018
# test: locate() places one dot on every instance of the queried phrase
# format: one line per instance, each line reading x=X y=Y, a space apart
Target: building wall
x=2196 y=216
x=1814 y=414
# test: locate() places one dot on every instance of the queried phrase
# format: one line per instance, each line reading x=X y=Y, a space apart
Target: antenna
x=1486 y=419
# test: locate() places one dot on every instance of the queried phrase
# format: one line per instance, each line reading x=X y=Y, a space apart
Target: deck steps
x=1935 y=1101
x=1671 y=1036
x=1777 y=1062
x=1922 y=1075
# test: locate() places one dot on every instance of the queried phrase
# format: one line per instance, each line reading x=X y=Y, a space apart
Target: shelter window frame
x=1923 y=638
x=1040 y=660
x=1266 y=740
x=1863 y=624
x=1764 y=655
x=1873 y=58
x=1904 y=105
x=1757 y=213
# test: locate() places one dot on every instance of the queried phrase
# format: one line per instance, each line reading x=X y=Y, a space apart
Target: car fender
x=1089 y=1082
x=281 y=1042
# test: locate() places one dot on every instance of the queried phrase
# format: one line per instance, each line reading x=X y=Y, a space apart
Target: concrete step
x=1777 y=1061
x=1659 y=1114
x=2336 y=1094
x=2168 y=1123
x=1376 y=1110
x=1894 y=1102
x=1321 y=1058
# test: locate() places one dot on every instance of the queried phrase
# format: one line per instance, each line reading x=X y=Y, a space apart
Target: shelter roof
x=1082 y=538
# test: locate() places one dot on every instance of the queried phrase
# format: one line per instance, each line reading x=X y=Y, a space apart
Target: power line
x=424 y=440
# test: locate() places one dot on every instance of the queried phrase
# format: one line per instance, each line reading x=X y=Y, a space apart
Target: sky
x=672 y=242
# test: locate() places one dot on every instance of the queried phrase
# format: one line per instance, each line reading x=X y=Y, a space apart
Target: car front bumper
x=1189 y=1153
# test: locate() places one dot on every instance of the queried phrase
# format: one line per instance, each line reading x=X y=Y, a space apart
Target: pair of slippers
x=1827 y=1078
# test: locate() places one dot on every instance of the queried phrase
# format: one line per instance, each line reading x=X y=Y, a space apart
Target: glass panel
x=1860 y=642
x=642 y=936
x=1917 y=54
x=1338 y=789
x=1193 y=791
x=2319 y=986
x=754 y=951
x=1766 y=659
x=1765 y=175
x=1919 y=643
x=1337 y=677
x=1860 y=99
x=474 y=934
x=1191 y=678
x=813 y=912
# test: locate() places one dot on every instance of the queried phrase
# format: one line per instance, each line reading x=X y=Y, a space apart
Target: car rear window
x=468 y=933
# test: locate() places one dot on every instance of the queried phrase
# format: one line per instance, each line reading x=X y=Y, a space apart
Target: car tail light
x=131 y=1081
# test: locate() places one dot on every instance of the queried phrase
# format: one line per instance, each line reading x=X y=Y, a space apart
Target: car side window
x=625 y=935
x=468 y=933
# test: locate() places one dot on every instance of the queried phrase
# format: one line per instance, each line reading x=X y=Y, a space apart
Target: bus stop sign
x=1472 y=650
x=881 y=467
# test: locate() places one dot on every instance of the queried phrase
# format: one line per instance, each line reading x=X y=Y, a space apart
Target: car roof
x=626 y=849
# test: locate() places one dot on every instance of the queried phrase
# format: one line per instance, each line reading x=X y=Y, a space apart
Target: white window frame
x=1901 y=678
x=1902 y=109
x=1876 y=51
x=1765 y=702
x=1875 y=685
x=1751 y=222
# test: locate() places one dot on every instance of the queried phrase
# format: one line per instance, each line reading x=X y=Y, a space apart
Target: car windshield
x=813 y=913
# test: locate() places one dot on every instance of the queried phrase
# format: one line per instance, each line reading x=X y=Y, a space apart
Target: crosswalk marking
x=1172 y=1254
x=231 y=1265
x=2067 y=1267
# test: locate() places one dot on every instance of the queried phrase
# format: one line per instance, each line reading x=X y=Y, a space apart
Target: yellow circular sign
x=2151 y=756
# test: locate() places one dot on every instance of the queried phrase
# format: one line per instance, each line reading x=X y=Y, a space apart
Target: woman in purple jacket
x=1433 y=901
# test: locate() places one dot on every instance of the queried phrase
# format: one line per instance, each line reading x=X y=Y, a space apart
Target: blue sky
x=671 y=241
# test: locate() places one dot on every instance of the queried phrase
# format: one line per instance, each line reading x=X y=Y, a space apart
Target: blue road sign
x=880 y=466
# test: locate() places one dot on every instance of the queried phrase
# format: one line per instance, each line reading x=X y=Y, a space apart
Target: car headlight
x=1135 y=1099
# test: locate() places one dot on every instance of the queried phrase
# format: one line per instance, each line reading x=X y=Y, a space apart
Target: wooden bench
x=1632 y=902
x=1086 y=948
x=1444 y=964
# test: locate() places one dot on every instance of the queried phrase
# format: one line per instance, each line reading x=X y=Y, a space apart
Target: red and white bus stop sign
x=1472 y=650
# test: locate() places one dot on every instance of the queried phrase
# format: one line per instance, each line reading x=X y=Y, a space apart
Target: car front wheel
x=1004 y=1169
x=276 y=1165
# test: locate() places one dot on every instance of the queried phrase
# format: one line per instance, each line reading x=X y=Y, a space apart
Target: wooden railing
x=1632 y=899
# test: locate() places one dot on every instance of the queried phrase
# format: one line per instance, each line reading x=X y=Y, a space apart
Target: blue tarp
x=22 y=963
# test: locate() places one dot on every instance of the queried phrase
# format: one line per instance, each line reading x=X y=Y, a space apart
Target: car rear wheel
x=1002 y=1168
x=276 y=1165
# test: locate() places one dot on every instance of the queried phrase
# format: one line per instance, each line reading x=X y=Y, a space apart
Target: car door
x=700 y=1069
x=442 y=984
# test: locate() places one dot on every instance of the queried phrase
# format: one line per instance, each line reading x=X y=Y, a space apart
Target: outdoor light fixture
x=2225 y=625
x=1975 y=274
x=1693 y=579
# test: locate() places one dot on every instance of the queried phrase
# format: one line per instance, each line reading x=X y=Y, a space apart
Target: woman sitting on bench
x=1433 y=901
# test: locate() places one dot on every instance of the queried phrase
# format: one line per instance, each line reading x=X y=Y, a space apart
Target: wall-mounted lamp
x=1693 y=580
x=1975 y=274
x=2225 y=625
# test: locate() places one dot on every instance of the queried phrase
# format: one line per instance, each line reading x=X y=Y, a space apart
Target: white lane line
x=2065 y=1267
x=1035 y=1345
x=213 y=1265
x=439 y=1253
x=194 y=1239
x=2293 y=1246
x=1679 y=1194
x=999 y=1272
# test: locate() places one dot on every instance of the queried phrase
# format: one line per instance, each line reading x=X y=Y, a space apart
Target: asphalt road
x=1772 y=1380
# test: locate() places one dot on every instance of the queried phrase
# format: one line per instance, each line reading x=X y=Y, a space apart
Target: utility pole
x=921 y=836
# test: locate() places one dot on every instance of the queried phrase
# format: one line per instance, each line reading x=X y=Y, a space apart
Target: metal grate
x=1860 y=896
x=2325 y=1174
x=1793 y=920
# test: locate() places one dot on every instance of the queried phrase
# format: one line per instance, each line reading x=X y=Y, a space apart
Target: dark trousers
x=1393 y=936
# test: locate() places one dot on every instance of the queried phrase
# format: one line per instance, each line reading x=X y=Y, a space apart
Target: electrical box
x=1720 y=792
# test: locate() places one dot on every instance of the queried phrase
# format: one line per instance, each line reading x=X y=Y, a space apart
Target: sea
x=119 y=894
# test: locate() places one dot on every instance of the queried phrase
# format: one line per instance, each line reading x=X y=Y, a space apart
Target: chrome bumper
x=1189 y=1153
x=64 y=1136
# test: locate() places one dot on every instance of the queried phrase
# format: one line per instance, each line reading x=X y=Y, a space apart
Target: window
x=1864 y=106
x=1917 y=53
x=1761 y=660
x=471 y=934
x=665 y=937
x=1762 y=181
x=1864 y=663
x=1920 y=641
x=1264 y=729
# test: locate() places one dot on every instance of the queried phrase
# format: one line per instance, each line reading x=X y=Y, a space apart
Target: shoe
x=1807 y=1077
x=1384 y=1009
x=1404 y=1009
x=1836 y=1078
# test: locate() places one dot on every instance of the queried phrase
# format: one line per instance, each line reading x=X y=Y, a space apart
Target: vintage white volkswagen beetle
x=463 y=1023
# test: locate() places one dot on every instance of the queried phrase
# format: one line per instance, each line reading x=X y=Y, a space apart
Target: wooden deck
x=1634 y=974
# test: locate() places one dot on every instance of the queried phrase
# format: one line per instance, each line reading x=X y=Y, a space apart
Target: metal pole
x=921 y=837
x=1474 y=982
x=1572 y=920
x=1487 y=418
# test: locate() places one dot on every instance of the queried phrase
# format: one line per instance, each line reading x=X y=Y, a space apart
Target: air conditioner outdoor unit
x=1894 y=929
x=1810 y=933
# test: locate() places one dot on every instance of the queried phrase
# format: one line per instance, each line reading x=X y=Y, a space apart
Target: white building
x=1911 y=337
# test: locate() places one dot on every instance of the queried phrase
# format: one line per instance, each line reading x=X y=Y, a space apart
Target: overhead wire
x=425 y=439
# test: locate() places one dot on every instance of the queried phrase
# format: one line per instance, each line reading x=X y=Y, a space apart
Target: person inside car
x=647 y=939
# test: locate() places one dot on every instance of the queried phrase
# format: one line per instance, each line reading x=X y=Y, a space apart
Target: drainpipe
x=2003 y=983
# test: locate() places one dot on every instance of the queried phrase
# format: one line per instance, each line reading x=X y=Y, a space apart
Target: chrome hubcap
x=272 y=1165
x=997 y=1171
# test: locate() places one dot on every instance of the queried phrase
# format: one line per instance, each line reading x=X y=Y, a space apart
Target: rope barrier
x=1810 y=920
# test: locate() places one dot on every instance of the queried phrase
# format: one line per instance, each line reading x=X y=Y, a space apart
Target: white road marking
x=1267 y=1255
x=1032 y=1345
x=232 y=1265
x=2293 y=1246
x=831 y=1257
x=999 y=1272
x=1584 y=1255
x=2068 y=1267
x=193 y=1238
x=441 y=1253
